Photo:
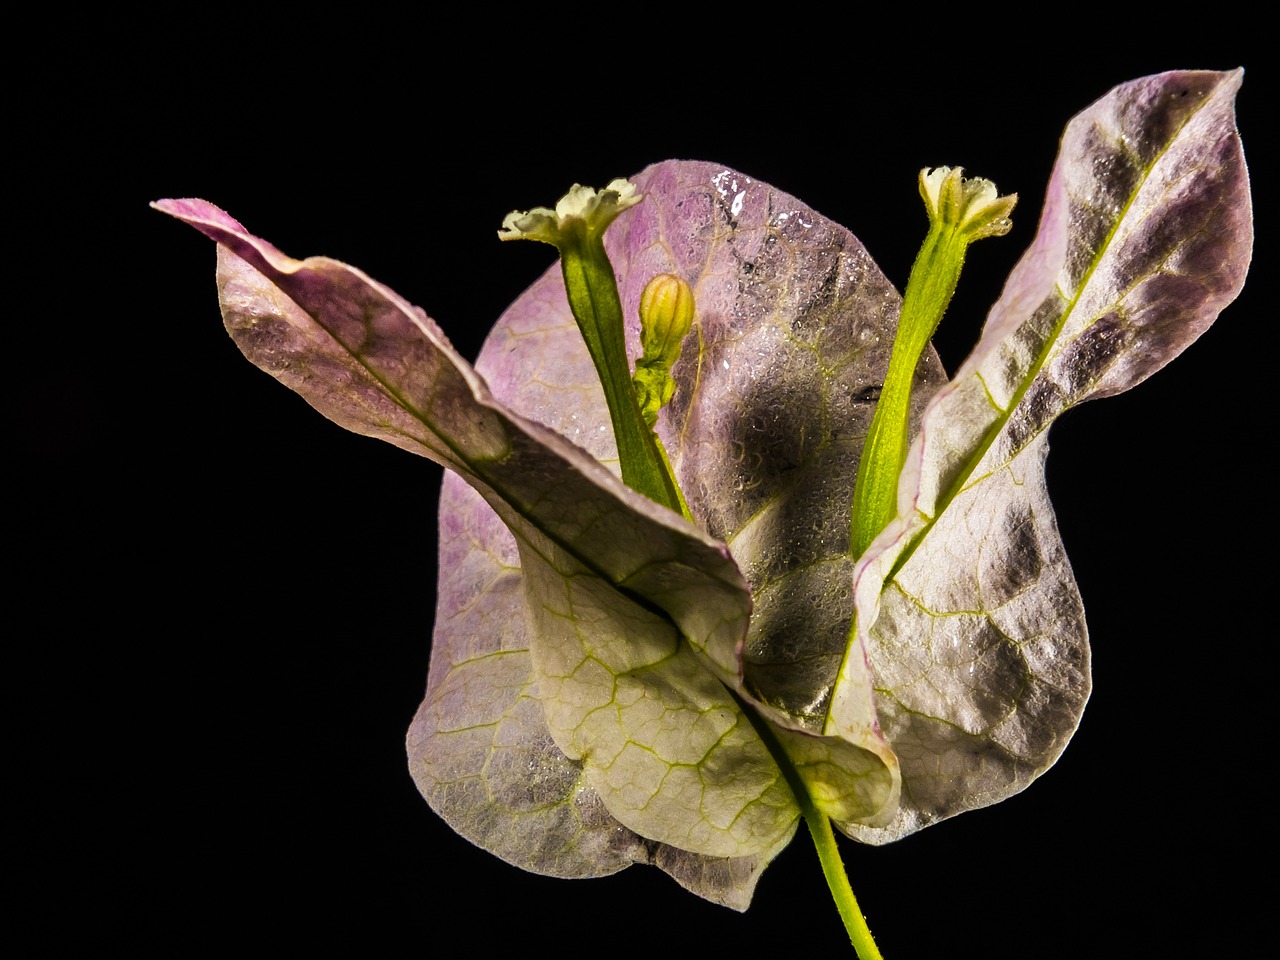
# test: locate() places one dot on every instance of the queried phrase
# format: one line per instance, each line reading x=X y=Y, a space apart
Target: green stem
x=929 y=290
x=855 y=923
x=824 y=838
x=666 y=464
x=960 y=212
x=593 y=298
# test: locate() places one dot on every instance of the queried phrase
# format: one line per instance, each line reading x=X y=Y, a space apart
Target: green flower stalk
x=960 y=212
x=576 y=228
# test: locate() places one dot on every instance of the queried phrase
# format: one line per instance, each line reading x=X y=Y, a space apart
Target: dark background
x=233 y=598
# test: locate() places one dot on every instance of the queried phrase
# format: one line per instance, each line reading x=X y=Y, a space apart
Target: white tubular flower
x=971 y=207
x=581 y=209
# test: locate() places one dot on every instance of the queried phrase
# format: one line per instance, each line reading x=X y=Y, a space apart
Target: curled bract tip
x=582 y=207
x=973 y=207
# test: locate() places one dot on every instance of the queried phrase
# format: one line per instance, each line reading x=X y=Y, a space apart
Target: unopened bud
x=666 y=317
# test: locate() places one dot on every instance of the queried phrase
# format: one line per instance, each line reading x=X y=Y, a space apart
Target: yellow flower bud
x=666 y=316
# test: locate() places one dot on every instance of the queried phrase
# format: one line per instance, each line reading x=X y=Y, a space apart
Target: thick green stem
x=576 y=228
x=960 y=212
x=593 y=298
x=929 y=290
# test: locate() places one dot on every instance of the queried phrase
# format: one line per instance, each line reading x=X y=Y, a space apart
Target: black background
x=233 y=598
